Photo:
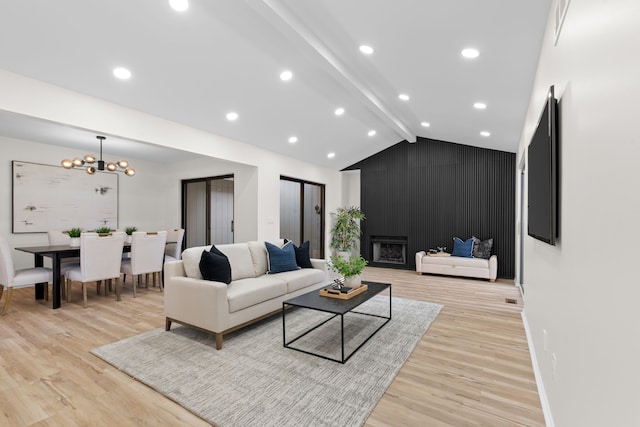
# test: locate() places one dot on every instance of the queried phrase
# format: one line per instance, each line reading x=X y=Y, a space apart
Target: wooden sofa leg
x=492 y=280
x=167 y=324
x=218 y=340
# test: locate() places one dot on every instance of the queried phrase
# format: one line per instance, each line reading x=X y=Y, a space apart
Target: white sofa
x=253 y=294
x=457 y=266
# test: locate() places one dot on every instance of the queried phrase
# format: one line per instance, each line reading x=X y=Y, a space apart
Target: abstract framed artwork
x=49 y=197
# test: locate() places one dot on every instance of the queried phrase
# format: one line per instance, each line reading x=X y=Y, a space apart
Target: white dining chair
x=147 y=256
x=60 y=238
x=100 y=258
x=11 y=278
x=172 y=251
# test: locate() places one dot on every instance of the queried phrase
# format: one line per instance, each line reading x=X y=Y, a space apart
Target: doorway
x=301 y=214
x=207 y=210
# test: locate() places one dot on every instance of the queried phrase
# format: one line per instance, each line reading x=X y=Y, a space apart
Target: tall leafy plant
x=346 y=230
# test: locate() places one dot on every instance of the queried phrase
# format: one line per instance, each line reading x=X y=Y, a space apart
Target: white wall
x=585 y=291
x=137 y=196
x=257 y=171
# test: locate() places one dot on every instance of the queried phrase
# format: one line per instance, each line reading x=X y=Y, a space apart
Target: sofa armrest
x=493 y=267
x=197 y=302
x=419 y=256
x=320 y=264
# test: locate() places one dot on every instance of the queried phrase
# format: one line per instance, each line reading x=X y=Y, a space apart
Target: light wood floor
x=472 y=367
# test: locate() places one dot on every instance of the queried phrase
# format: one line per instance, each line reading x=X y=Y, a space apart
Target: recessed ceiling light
x=470 y=53
x=179 y=5
x=339 y=111
x=425 y=124
x=485 y=133
x=371 y=132
x=331 y=155
x=122 y=73
x=367 y=50
x=231 y=116
x=286 y=75
x=480 y=105
x=293 y=139
x=403 y=96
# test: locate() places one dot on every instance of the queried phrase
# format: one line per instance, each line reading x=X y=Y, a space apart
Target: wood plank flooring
x=471 y=368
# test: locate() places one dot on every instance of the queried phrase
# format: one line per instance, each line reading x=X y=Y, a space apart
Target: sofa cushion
x=462 y=249
x=302 y=255
x=457 y=261
x=240 y=260
x=244 y=293
x=214 y=266
x=259 y=257
x=281 y=259
x=302 y=278
x=482 y=248
x=191 y=261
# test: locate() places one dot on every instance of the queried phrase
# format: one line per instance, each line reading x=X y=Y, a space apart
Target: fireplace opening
x=389 y=250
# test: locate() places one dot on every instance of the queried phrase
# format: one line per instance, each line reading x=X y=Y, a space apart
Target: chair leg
x=1 y=290
x=68 y=290
x=98 y=285
x=135 y=278
x=167 y=324
x=63 y=288
x=7 y=301
x=117 y=289
x=46 y=292
x=84 y=295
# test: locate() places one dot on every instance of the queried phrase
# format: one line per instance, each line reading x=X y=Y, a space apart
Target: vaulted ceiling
x=221 y=56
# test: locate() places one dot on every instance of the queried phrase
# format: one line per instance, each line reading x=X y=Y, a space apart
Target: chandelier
x=90 y=159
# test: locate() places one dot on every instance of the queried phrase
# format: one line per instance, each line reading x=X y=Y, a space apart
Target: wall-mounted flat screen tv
x=542 y=167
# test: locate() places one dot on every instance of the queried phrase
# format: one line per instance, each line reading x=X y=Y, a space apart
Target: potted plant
x=74 y=235
x=129 y=231
x=346 y=230
x=350 y=268
x=103 y=231
x=345 y=235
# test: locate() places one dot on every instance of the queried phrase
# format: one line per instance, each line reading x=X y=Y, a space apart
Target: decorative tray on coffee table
x=335 y=292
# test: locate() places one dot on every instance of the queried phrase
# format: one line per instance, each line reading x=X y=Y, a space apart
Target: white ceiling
x=193 y=67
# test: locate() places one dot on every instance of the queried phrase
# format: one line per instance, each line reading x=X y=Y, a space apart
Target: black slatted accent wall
x=432 y=190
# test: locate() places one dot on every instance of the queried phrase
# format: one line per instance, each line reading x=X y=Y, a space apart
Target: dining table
x=56 y=253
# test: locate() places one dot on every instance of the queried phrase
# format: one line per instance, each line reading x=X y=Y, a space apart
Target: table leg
x=55 y=297
x=38 y=262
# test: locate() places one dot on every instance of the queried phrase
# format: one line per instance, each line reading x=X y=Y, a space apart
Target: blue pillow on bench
x=462 y=249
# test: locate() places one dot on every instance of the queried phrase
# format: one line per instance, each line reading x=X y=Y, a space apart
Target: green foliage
x=130 y=230
x=103 y=230
x=346 y=230
x=74 y=232
x=347 y=267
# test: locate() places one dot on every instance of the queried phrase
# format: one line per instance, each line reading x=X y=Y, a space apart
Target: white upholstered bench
x=457 y=266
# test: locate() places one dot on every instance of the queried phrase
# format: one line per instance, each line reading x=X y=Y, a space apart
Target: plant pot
x=128 y=239
x=74 y=242
x=353 y=281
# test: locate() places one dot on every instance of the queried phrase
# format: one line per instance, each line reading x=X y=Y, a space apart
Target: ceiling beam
x=374 y=103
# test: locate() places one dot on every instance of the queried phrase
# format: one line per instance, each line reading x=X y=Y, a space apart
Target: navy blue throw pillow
x=302 y=255
x=281 y=259
x=462 y=249
x=214 y=266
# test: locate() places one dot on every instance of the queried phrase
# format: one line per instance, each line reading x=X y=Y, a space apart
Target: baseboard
x=546 y=409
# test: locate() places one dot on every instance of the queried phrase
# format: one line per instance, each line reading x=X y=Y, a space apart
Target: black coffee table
x=338 y=307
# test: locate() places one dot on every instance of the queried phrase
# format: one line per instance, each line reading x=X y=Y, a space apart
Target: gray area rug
x=255 y=381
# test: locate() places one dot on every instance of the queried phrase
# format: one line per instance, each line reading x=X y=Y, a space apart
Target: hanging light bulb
x=67 y=164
